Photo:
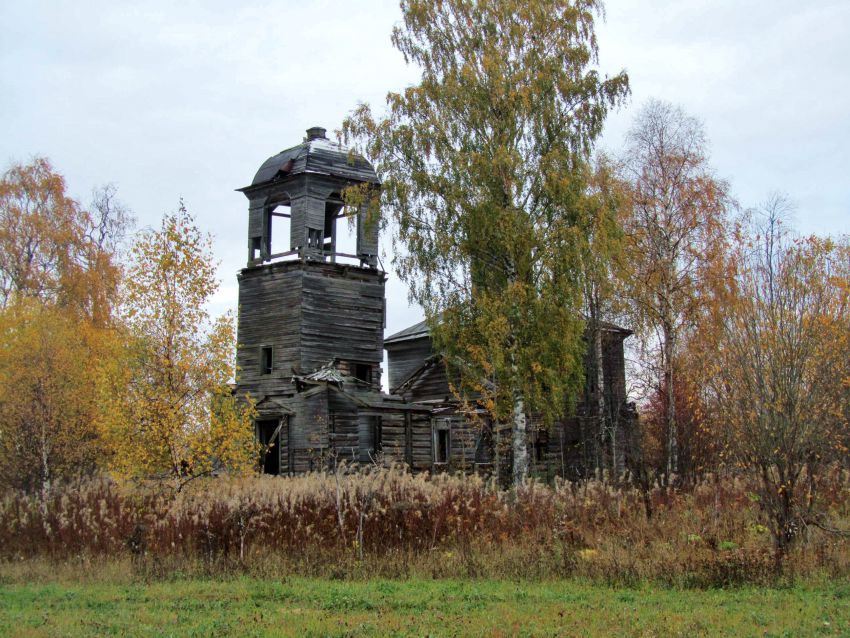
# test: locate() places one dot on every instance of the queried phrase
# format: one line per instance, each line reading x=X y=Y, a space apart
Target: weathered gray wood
x=324 y=323
x=309 y=177
x=405 y=357
x=569 y=448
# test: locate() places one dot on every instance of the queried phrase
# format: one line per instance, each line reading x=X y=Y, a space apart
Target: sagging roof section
x=362 y=393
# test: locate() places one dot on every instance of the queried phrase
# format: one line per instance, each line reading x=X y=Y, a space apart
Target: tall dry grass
x=386 y=522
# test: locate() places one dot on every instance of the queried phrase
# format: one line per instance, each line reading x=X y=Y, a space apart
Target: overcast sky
x=187 y=99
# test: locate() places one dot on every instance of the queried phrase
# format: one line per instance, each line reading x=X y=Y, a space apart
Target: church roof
x=415 y=331
x=419 y=330
x=316 y=154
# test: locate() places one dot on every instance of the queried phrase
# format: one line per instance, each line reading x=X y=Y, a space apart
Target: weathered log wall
x=309 y=313
x=405 y=357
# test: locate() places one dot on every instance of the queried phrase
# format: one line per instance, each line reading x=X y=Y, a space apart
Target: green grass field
x=312 y=607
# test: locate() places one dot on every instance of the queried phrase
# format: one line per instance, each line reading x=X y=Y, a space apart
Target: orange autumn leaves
x=58 y=288
x=82 y=349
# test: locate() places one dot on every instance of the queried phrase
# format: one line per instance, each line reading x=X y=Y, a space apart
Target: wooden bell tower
x=307 y=302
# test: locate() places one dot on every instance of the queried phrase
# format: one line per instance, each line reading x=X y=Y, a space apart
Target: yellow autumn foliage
x=171 y=412
x=58 y=282
x=49 y=371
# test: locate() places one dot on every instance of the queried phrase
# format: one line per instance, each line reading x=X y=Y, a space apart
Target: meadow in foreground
x=320 y=607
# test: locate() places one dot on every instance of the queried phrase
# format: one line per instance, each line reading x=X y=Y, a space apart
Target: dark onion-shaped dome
x=316 y=154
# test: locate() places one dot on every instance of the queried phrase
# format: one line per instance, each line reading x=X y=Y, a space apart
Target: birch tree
x=172 y=415
x=675 y=242
x=50 y=361
x=483 y=165
x=601 y=270
x=55 y=250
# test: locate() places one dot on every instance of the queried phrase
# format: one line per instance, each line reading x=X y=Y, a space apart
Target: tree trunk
x=600 y=392
x=616 y=468
x=520 y=440
x=672 y=443
x=45 y=442
x=497 y=453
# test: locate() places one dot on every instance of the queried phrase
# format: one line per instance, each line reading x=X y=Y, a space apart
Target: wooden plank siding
x=309 y=313
x=432 y=385
x=405 y=357
x=342 y=315
x=568 y=448
x=269 y=315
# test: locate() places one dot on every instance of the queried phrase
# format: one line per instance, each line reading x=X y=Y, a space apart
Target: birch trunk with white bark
x=520 y=440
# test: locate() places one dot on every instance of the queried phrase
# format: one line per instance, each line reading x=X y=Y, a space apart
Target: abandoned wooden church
x=311 y=342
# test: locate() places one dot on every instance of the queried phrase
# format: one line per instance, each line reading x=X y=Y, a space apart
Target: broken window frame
x=356 y=369
x=441 y=433
x=539 y=445
x=270 y=442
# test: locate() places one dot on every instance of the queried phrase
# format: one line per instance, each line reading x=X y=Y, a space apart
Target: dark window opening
x=363 y=372
x=269 y=435
x=266 y=360
x=377 y=433
x=256 y=244
x=591 y=381
x=540 y=441
x=314 y=238
x=441 y=446
x=539 y=451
